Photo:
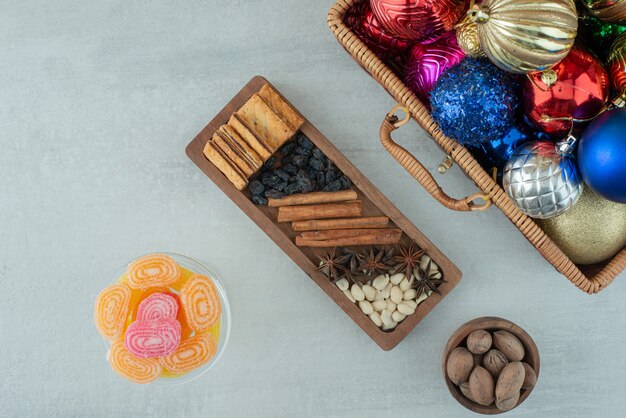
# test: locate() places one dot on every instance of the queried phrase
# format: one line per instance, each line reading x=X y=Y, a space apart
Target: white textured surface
x=98 y=101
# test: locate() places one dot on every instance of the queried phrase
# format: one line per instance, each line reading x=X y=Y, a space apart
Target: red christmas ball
x=362 y=21
x=418 y=20
x=577 y=87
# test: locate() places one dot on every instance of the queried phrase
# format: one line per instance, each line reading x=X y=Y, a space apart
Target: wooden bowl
x=490 y=324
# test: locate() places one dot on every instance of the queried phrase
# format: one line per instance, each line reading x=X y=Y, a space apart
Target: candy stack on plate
x=160 y=319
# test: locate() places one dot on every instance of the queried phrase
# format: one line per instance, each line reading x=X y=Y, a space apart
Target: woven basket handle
x=419 y=172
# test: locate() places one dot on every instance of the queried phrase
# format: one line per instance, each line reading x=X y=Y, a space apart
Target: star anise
x=332 y=265
x=427 y=279
x=408 y=259
x=376 y=261
x=351 y=265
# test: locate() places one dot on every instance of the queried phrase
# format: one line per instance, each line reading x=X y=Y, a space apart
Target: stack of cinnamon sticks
x=333 y=219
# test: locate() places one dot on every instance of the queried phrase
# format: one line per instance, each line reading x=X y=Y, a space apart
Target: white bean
x=397 y=316
x=369 y=292
x=405 y=309
x=389 y=326
x=357 y=292
x=343 y=284
x=391 y=306
x=379 y=305
x=380 y=282
x=379 y=295
x=410 y=294
x=349 y=295
x=396 y=279
x=366 y=307
x=410 y=303
x=404 y=285
x=396 y=295
x=385 y=316
x=375 y=317
x=424 y=262
x=422 y=298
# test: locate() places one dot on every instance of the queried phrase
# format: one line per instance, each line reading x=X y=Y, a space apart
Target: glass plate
x=198 y=268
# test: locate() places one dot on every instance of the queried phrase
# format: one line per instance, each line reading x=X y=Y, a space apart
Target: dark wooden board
x=374 y=204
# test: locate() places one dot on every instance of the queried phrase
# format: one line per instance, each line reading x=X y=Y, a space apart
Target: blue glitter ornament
x=474 y=102
x=602 y=155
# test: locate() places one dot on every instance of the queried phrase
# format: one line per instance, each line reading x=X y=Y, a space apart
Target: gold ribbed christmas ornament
x=592 y=231
x=608 y=10
x=523 y=36
x=467 y=37
x=616 y=64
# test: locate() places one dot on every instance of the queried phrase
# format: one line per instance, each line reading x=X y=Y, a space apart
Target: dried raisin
x=333 y=186
x=259 y=200
x=274 y=194
x=305 y=142
x=288 y=148
x=345 y=182
x=316 y=163
x=256 y=187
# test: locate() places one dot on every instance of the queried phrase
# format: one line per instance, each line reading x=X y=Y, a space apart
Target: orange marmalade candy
x=111 y=310
x=190 y=354
x=152 y=270
x=201 y=302
x=135 y=369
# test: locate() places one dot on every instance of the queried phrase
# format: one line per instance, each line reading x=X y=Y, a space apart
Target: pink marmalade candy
x=153 y=338
x=157 y=306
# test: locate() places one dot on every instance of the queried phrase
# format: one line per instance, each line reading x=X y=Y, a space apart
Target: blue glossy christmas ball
x=602 y=155
x=474 y=102
x=495 y=153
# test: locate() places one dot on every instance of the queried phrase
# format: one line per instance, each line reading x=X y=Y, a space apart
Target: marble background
x=98 y=101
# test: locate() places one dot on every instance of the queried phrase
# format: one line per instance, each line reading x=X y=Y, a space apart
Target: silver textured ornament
x=542 y=181
x=522 y=36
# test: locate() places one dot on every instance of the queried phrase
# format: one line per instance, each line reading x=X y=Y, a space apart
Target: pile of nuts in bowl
x=490 y=369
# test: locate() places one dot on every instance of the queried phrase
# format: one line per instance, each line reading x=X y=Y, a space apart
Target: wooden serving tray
x=374 y=204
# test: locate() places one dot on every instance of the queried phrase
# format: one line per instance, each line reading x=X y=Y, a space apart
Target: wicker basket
x=590 y=279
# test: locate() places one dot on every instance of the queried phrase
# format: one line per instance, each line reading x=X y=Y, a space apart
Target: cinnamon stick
x=332 y=210
x=313 y=198
x=345 y=233
x=375 y=237
x=346 y=223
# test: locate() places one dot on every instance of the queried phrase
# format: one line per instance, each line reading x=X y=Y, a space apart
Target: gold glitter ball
x=467 y=37
x=592 y=231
